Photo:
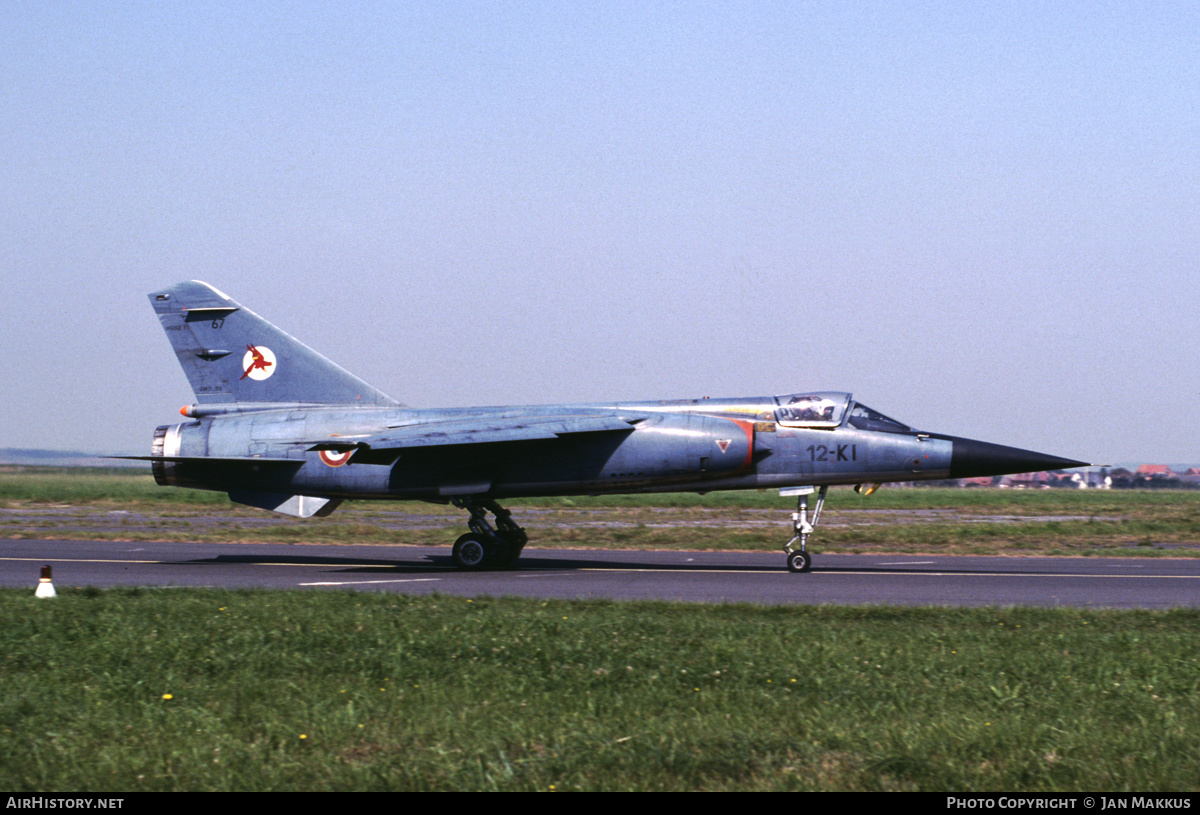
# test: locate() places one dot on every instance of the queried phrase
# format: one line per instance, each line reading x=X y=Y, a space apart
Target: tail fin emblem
x=258 y=363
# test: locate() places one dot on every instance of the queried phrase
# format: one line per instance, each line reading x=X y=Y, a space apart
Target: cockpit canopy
x=828 y=409
x=811 y=409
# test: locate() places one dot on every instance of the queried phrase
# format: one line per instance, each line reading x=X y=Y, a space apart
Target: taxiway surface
x=704 y=577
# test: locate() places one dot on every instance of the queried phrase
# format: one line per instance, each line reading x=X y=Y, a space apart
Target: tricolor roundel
x=335 y=458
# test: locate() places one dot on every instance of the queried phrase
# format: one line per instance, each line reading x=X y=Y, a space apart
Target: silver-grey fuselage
x=688 y=445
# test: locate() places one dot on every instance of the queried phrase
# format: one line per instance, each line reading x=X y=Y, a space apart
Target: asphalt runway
x=701 y=577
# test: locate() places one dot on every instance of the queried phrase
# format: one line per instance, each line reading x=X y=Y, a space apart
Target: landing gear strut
x=798 y=559
x=485 y=546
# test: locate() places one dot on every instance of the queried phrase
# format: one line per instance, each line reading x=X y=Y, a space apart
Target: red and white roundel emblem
x=258 y=363
x=335 y=458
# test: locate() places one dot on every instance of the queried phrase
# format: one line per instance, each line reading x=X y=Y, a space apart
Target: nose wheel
x=799 y=562
x=798 y=557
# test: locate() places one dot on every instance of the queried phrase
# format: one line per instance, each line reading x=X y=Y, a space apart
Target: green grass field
x=129 y=690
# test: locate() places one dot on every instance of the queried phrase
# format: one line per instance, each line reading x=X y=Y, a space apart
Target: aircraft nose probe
x=971 y=459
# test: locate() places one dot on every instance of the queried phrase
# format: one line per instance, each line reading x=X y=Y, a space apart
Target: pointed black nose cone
x=971 y=458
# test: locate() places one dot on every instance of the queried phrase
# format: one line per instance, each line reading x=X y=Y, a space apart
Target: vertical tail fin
x=230 y=354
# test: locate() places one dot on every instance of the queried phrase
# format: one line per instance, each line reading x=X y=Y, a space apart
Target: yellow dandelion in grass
x=168 y=696
x=303 y=736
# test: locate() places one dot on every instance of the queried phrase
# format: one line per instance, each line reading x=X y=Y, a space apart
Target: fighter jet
x=280 y=427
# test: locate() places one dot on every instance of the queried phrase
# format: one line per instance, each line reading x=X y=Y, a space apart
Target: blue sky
x=983 y=218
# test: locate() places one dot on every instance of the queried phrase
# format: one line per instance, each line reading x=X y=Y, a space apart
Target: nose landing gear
x=799 y=559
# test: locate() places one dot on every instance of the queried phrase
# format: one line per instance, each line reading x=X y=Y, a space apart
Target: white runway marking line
x=1020 y=574
x=676 y=570
x=908 y=563
x=841 y=573
x=73 y=560
x=214 y=563
x=372 y=582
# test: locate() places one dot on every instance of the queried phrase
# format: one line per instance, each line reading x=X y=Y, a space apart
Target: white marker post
x=45 y=585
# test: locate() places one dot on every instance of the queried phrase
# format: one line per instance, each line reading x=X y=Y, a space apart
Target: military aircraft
x=280 y=427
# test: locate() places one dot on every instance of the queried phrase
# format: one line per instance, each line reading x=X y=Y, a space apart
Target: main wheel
x=799 y=562
x=470 y=554
x=508 y=549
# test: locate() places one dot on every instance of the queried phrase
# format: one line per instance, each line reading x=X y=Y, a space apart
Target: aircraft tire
x=514 y=553
x=507 y=550
x=799 y=562
x=499 y=553
x=470 y=554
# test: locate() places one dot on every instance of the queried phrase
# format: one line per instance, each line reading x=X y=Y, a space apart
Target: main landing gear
x=485 y=546
x=799 y=560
